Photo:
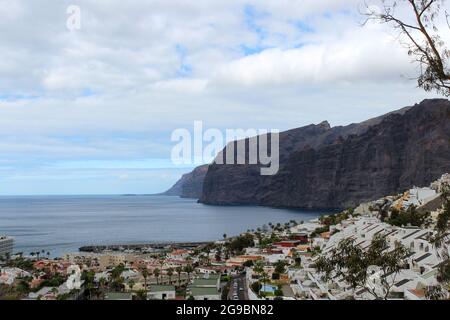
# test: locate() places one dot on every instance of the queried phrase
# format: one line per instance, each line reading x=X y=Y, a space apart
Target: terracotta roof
x=417 y=293
x=179 y=251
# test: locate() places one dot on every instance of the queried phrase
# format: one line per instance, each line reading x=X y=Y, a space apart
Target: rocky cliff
x=190 y=185
x=324 y=167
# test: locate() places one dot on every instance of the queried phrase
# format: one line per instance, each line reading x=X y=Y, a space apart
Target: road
x=238 y=288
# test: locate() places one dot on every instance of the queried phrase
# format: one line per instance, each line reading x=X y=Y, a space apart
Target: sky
x=91 y=110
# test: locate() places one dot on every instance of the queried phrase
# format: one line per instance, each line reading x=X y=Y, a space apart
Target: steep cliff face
x=323 y=167
x=190 y=185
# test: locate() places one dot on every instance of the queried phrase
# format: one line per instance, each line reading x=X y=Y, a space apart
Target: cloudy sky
x=92 y=110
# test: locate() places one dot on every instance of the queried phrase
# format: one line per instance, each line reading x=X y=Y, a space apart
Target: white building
x=9 y=275
x=408 y=283
x=160 y=292
x=204 y=293
x=419 y=196
x=205 y=288
x=45 y=293
x=441 y=183
x=274 y=258
x=6 y=246
x=307 y=227
x=179 y=254
x=74 y=281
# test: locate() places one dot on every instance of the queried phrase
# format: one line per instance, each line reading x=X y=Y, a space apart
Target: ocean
x=62 y=224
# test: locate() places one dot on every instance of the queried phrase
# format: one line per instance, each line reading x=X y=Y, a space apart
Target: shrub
x=411 y=217
x=256 y=286
x=238 y=244
x=248 y=263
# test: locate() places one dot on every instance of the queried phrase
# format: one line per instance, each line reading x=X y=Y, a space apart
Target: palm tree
x=227 y=253
x=218 y=254
x=264 y=278
x=207 y=251
x=142 y=295
x=102 y=282
x=258 y=268
x=296 y=258
x=131 y=284
x=118 y=284
x=156 y=273
x=170 y=274
x=144 y=272
x=89 y=287
x=161 y=262
x=188 y=269
x=179 y=270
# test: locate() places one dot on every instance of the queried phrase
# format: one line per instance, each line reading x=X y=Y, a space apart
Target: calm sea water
x=61 y=224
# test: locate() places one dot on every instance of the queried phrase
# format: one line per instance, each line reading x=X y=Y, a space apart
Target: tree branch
x=438 y=60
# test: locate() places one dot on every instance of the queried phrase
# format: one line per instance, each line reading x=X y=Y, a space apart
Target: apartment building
x=6 y=246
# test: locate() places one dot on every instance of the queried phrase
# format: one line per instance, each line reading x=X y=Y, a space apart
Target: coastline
x=64 y=224
x=143 y=246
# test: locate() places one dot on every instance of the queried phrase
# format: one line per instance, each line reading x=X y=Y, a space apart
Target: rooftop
x=402 y=282
x=196 y=291
x=205 y=282
x=118 y=296
x=426 y=255
x=160 y=288
x=179 y=252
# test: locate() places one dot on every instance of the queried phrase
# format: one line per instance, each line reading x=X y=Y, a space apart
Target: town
x=394 y=248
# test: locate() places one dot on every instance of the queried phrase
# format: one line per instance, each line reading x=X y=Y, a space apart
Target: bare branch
x=423 y=40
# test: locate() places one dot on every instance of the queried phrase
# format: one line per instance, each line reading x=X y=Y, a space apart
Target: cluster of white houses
x=410 y=283
x=304 y=282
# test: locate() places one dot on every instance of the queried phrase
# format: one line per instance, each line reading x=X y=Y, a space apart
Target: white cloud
x=181 y=85
x=138 y=69
x=355 y=55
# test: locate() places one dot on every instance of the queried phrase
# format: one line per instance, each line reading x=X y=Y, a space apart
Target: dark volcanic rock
x=190 y=185
x=323 y=167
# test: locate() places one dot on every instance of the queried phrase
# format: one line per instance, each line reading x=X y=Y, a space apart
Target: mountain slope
x=190 y=185
x=323 y=167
